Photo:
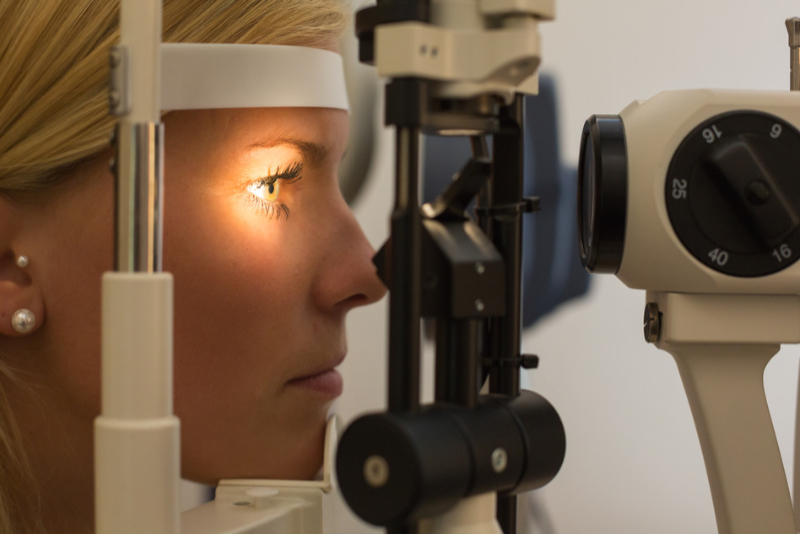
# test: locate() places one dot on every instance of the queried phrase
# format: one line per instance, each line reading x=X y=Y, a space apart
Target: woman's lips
x=328 y=383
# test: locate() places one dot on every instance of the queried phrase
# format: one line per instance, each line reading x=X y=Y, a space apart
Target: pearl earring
x=23 y=321
x=22 y=262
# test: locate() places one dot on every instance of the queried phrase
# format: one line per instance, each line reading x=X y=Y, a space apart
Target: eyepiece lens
x=602 y=193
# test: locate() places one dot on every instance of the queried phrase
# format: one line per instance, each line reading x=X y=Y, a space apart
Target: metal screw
x=423 y=50
x=115 y=57
x=114 y=98
x=499 y=460
x=434 y=51
x=757 y=192
x=652 y=322
x=376 y=471
x=480 y=268
x=479 y=305
x=793 y=26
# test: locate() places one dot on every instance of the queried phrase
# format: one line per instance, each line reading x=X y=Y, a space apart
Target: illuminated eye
x=267 y=191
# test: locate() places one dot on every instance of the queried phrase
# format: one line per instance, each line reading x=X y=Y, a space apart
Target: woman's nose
x=348 y=278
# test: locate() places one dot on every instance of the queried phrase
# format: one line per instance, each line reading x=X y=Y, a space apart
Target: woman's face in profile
x=267 y=260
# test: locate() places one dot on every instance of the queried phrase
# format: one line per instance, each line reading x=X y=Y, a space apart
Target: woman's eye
x=264 y=194
x=266 y=191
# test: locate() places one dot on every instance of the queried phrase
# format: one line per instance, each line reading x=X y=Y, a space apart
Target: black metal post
x=457 y=356
x=404 y=293
x=507 y=190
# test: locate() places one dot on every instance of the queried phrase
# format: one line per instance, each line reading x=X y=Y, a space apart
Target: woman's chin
x=276 y=463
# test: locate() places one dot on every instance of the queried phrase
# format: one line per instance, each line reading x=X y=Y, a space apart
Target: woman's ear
x=19 y=292
x=21 y=302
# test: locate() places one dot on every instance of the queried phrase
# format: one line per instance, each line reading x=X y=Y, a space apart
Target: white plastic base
x=137 y=476
x=271 y=506
x=257 y=510
x=137 y=439
x=474 y=515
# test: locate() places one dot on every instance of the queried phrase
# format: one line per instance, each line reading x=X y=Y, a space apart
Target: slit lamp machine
x=693 y=196
x=689 y=195
x=442 y=468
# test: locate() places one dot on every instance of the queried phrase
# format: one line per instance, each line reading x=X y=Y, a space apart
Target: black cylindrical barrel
x=396 y=467
x=393 y=468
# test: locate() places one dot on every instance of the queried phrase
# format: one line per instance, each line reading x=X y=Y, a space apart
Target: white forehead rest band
x=211 y=76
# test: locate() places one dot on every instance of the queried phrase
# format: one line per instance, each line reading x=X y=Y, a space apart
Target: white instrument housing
x=654 y=257
x=472 y=48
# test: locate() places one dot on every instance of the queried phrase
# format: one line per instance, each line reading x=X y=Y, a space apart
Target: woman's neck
x=59 y=446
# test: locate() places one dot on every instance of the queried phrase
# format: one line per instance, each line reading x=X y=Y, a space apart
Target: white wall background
x=633 y=464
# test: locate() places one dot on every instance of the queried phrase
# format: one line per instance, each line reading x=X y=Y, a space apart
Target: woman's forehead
x=309 y=129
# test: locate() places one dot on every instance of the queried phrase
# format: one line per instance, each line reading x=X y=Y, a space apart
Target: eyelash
x=274 y=209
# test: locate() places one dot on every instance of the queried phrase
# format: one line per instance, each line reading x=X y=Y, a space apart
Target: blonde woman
x=267 y=258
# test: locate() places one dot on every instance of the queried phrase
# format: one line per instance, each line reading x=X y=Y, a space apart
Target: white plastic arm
x=140 y=32
x=725 y=388
x=137 y=466
x=722 y=343
x=796 y=482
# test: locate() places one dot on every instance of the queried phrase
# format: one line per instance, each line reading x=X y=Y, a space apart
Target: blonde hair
x=54 y=68
x=54 y=113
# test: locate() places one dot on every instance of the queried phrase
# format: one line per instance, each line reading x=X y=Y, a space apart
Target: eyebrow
x=313 y=153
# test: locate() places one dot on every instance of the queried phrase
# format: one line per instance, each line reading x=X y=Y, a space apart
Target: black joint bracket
x=386 y=12
x=528 y=205
x=526 y=361
x=532 y=204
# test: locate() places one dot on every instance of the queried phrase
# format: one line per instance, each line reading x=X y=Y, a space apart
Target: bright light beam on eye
x=264 y=194
x=266 y=191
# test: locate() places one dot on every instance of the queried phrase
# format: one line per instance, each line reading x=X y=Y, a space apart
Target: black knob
x=733 y=196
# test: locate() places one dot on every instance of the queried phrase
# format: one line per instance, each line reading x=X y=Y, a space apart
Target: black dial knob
x=733 y=193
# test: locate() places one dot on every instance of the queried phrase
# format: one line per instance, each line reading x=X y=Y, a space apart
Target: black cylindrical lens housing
x=427 y=464
x=544 y=440
x=433 y=459
x=602 y=193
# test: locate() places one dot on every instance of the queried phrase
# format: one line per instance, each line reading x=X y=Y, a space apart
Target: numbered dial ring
x=733 y=193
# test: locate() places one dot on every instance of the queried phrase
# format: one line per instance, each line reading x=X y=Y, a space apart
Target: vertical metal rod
x=793 y=26
x=479 y=147
x=139 y=198
x=404 y=290
x=139 y=137
x=506 y=188
x=457 y=354
x=507 y=514
x=484 y=200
